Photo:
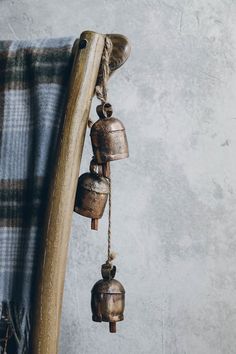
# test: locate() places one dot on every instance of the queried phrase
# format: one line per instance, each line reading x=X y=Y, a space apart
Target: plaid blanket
x=33 y=89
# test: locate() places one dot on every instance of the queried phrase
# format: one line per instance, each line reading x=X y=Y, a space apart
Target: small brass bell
x=92 y=193
x=108 y=298
x=108 y=136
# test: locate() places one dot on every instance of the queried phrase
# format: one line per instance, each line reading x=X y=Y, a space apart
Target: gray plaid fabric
x=33 y=88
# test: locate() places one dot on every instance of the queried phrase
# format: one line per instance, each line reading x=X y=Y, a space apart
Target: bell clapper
x=106 y=169
x=94 y=224
x=112 y=327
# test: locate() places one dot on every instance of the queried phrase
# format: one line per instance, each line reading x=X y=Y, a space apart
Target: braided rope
x=104 y=72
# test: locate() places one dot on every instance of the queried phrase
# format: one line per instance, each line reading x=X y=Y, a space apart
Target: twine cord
x=6 y=340
x=101 y=94
x=109 y=256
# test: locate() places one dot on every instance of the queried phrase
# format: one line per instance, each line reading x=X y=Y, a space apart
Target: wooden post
x=46 y=320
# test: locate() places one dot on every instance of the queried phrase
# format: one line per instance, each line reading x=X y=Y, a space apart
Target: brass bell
x=108 y=136
x=108 y=298
x=91 y=196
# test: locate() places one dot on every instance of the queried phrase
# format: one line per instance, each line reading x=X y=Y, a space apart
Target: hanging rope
x=110 y=257
x=101 y=94
x=104 y=72
x=103 y=75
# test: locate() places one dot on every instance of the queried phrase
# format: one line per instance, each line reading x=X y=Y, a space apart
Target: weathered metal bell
x=108 y=136
x=91 y=196
x=108 y=298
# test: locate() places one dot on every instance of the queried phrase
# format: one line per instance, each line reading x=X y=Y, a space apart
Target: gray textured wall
x=174 y=198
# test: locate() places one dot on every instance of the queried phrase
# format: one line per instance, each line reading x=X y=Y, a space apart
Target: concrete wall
x=174 y=199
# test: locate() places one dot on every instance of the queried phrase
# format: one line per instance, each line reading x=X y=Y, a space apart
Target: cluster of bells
x=109 y=143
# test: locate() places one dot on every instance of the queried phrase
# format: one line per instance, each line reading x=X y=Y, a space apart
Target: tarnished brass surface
x=109 y=140
x=108 y=301
x=91 y=196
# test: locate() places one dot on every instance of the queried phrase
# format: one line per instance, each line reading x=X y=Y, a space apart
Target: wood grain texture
x=46 y=322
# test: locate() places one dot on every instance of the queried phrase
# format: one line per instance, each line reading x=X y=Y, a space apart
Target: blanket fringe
x=15 y=324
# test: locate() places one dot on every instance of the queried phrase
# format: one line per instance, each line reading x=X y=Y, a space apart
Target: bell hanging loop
x=95 y=168
x=104 y=110
x=108 y=271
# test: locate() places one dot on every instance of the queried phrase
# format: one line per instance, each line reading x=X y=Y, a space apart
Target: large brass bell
x=108 y=136
x=92 y=193
x=108 y=298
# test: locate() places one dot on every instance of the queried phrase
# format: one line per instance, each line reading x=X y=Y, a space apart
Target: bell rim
x=88 y=214
x=115 y=157
x=107 y=320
